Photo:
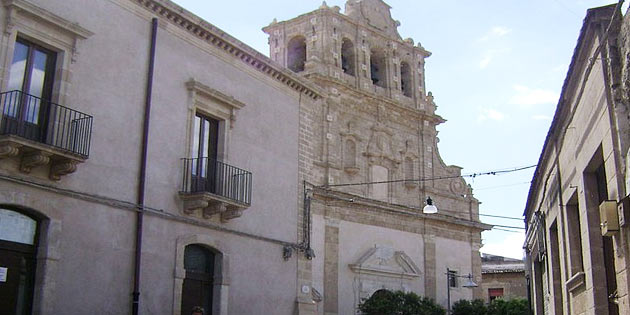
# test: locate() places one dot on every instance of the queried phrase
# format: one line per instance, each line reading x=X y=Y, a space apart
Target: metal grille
x=209 y=175
x=40 y=120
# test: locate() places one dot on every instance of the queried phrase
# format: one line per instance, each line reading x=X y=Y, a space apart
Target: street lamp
x=469 y=284
x=429 y=208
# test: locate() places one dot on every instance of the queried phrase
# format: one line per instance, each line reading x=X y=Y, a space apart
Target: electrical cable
x=506 y=230
x=472 y=175
x=500 y=216
x=502 y=186
x=509 y=226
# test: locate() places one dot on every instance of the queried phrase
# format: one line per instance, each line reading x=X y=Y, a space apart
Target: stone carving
x=380 y=145
x=458 y=186
x=383 y=267
x=231 y=214
x=62 y=167
x=8 y=149
x=214 y=208
x=386 y=262
x=209 y=204
x=33 y=159
x=374 y=13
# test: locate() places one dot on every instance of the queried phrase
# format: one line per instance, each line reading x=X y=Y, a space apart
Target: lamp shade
x=429 y=208
x=470 y=283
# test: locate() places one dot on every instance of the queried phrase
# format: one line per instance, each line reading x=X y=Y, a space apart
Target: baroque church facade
x=151 y=163
x=370 y=160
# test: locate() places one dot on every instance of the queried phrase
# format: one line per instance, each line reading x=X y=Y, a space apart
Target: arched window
x=350 y=153
x=347 y=56
x=377 y=67
x=405 y=79
x=17 y=258
x=197 y=289
x=296 y=53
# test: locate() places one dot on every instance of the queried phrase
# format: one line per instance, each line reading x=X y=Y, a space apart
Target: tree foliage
x=516 y=306
x=465 y=307
x=384 y=302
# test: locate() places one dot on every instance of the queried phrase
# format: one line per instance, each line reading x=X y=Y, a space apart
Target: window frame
x=27 y=21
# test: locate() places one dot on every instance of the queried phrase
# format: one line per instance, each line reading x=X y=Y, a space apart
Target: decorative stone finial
x=275 y=21
x=430 y=97
x=324 y=5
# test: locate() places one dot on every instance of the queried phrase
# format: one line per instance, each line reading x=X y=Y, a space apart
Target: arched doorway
x=18 y=244
x=198 y=286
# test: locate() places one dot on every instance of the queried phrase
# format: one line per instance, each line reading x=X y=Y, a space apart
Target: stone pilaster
x=331 y=269
x=430 y=282
x=475 y=262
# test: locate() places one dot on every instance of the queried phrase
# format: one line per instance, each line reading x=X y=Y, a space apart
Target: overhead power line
x=500 y=216
x=508 y=226
x=471 y=175
x=506 y=230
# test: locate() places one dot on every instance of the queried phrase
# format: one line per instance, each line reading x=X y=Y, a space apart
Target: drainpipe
x=143 y=171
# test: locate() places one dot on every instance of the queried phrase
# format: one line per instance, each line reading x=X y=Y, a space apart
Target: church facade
x=370 y=159
x=150 y=163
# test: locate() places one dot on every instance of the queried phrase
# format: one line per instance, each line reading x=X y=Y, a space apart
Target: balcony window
x=209 y=185
x=31 y=72
x=34 y=128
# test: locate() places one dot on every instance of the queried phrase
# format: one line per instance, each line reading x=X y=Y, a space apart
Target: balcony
x=213 y=187
x=42 y=133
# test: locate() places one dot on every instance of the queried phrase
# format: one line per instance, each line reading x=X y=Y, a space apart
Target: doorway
x=18 y=235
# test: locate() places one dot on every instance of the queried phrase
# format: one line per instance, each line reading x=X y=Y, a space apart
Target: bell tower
x=361 y=49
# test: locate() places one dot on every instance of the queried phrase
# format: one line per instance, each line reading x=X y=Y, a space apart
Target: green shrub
x=384 y=302
x=465 y=307
x=515 y=306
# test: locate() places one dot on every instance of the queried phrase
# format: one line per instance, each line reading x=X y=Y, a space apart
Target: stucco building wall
x=88 y=218
x=573 y=267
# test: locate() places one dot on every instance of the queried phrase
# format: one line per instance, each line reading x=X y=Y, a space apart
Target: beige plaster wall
x=96 y=242
x=355 y=240
x=446 y=257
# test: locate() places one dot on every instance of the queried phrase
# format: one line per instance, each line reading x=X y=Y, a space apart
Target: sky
x=496 y=72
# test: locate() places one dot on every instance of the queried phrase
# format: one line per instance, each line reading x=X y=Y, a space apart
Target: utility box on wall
x=608 y=217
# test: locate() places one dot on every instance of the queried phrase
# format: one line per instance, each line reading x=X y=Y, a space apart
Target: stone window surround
x=44 y=28
x=221 y=282
x=212 y=103
x=215 y=104
x=350 y=135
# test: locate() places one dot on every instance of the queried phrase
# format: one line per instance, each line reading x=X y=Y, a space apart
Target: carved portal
x=383 y=267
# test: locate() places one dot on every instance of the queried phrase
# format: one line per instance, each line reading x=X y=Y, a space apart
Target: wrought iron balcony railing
x=215 y=177
x=33 y=118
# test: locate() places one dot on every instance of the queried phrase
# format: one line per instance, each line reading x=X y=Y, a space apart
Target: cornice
x=49 y=17
x=197 y=27
x=404 y=212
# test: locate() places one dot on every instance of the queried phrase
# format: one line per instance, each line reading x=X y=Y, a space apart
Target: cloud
x=497 y=31
x=509 y=246
x=489 y=55
x=490 y=114
x=541 y=117
x=526 y=96
x=485 y=61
